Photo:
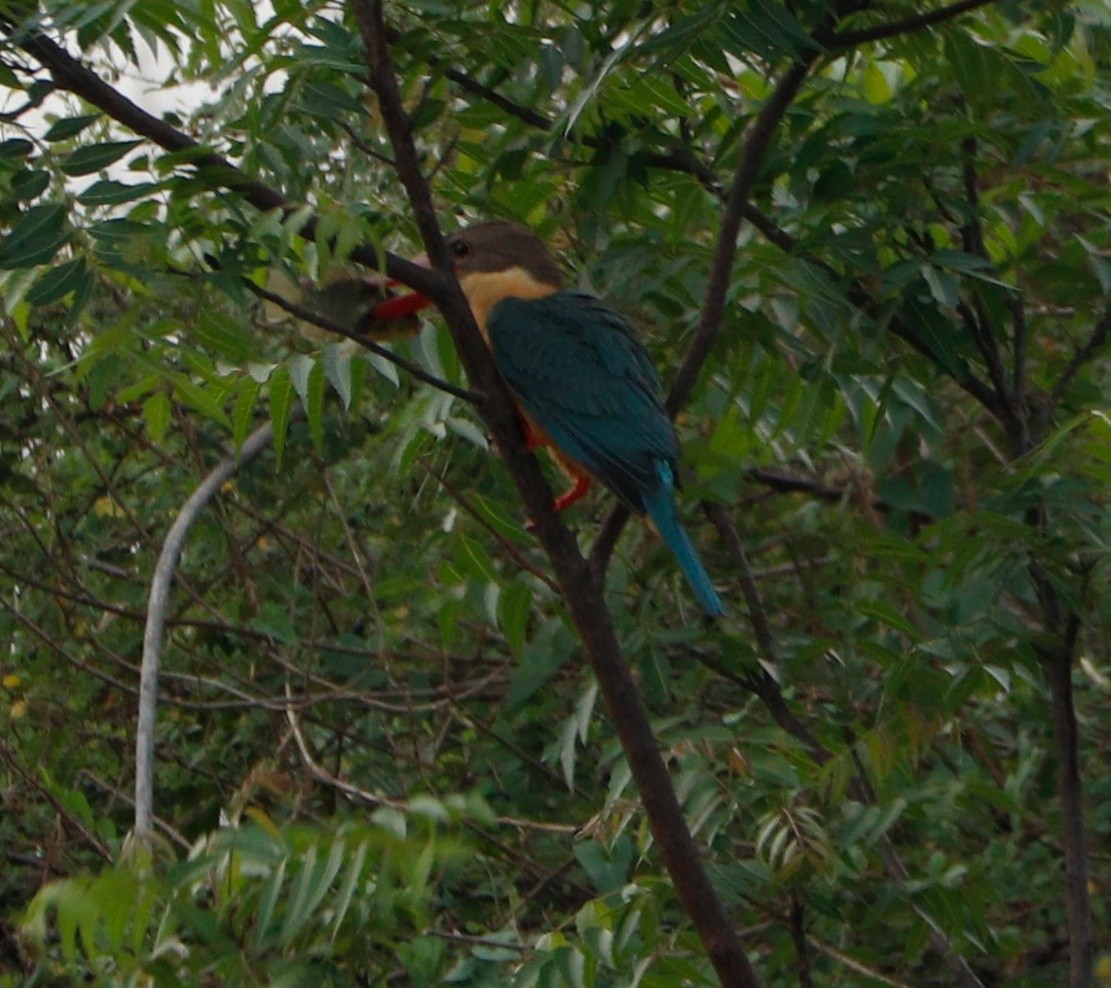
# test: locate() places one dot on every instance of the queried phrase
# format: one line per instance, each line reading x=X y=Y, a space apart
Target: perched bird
x=583 y=383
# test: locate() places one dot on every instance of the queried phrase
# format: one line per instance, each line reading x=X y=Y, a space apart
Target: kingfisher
x=583 y=383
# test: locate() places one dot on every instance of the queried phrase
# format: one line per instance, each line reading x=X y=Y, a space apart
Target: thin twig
x=323 y=776
x=32 y=780
x=854 y=965
x=514 y=553
x=964 y=377
x=175 y=835
x=308 y=315
x=1064 y=625
x=1086 y=353
x=757 y=141
x=1018 y=371
x=362 y=145
x=978 y=323
x=797 y=921
x=757 y=613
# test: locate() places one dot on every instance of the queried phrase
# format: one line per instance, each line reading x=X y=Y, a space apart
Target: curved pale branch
x=158 y=602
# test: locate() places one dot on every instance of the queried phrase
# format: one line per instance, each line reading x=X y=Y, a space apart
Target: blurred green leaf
x=68 y=127
x=94 y=157
x=36 y=237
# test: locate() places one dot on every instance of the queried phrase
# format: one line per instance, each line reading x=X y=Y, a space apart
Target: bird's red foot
x=565 y=500
x=576 y=493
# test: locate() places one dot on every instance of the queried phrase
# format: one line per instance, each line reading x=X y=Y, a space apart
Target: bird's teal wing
x=579 y=371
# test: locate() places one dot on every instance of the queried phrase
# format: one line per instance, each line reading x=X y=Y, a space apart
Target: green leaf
x=280 y=395
x=243 y=410
x=347 y=889
x=72 y=276
x=321 y=884
x=543 y=657
x=156 y=413
x=568 y=750
x=94 y=157
x=766 y=28
x=886 y=614
x=301 y=367
x=939 y=335
x=27 y=185
x=108 y=192
x=68 y=127
x=37 y=236
x=15 y=147
x=473 y=559
x=225 y=336
x=648 y=95
x=683 y=31
x=607 y=868
x=298 y=908
x=337 y=368
x=387 y=368
x=274 y=620
x=307 y=376
x=271 y=891
x=206 y=399
x=877 y=89
x=513 y=614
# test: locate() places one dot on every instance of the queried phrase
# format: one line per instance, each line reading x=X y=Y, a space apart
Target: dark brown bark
x=581 y=585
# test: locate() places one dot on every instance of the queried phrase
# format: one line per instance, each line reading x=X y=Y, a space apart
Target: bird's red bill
x=398 y=308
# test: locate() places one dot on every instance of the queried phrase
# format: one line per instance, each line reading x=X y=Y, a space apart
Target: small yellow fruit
x=1103 y=970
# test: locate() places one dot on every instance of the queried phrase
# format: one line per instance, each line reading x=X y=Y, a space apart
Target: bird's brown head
x=493 y=261
x=500 y=246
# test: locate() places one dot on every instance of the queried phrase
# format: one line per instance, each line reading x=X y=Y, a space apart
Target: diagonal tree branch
x=70 y=75
x=757 y=141
x=966 y=379
x=930 y=18
x=761 y=683
x=685 y=161
x=1058 y=660
x=581 y=584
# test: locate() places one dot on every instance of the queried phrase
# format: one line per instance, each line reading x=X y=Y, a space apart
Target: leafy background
x=381 y=758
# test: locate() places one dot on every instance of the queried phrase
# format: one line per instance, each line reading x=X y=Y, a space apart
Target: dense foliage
x=381 y=757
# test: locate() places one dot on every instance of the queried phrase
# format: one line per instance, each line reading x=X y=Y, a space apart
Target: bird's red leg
x=575 y=493
x=534 y=438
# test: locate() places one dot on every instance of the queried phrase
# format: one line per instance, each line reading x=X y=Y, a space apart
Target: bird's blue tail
x=660 y=505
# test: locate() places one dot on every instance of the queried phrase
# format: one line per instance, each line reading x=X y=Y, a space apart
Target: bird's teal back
x=578 y=369
x=580 y=373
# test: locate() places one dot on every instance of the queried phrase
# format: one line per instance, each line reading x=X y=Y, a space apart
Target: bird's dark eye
x=460 y=248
